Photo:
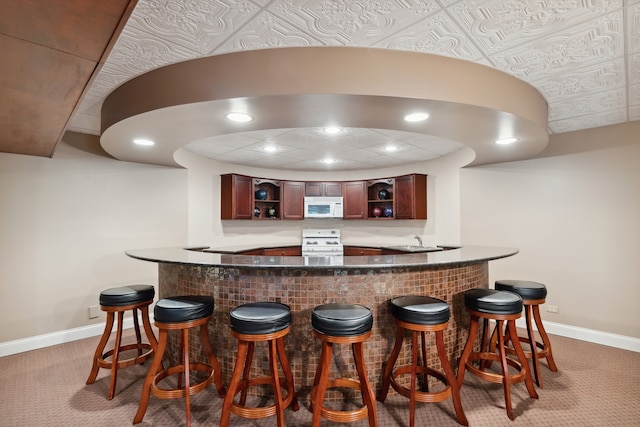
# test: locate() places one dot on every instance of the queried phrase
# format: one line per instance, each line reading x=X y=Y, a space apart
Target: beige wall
x=64 y=226
x=574 y=212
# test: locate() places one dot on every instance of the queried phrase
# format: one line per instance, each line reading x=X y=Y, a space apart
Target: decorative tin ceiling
x=582 y=55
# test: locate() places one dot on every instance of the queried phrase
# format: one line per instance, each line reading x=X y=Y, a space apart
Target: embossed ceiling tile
x=590 y=121
x=197 y=25
x=352 y=22
x=603 y=76
x=85 y=123
x=136 y=53
x=497 y=25
x=588 y=103
x=583 y=45
x=634 y=113
x=633 y=26
x=633 y=62
x=267 y=31
x=438 y=35
x=634 y=95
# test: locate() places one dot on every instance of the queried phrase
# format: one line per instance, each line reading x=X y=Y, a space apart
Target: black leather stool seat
x=341 y=319
x=258 y=318
x=420 y=310
x=491 y=301
x=180 y=309
x=127 y=295
x=526 y=289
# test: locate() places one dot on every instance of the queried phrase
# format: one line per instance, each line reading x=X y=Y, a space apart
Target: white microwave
x=323 y=207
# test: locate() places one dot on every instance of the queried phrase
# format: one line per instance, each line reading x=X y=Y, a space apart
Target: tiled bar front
x=303 y=289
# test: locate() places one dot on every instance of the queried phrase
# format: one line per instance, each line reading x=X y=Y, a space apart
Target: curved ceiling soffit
x=320 y=86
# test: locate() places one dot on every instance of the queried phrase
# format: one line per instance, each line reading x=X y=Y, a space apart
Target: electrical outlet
x=553 y=309
x=94 y=311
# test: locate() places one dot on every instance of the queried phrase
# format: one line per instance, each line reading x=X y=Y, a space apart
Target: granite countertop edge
x=195 y=256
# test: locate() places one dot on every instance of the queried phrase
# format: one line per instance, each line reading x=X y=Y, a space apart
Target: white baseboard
x=590 y=335
x=54 y=338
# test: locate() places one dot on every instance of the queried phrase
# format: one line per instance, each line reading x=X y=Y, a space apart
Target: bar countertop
x=227 y=258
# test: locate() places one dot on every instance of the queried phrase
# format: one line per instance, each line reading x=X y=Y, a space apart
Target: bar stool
x=500 y=306
x=251 y=323
x=180 y=313
x=119 y=300
x=421 y=314
x=342 y=324
x=533 y=294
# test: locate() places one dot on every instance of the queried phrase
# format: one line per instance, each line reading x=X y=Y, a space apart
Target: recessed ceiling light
x=416 y=117
x=270 y=148
x=145 y=142
x=328 y=161
x=239 y=117
x=505 y=141
x=332 y=130
x=390 y=148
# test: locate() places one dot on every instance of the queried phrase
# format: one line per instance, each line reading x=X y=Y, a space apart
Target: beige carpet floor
x=595 y=386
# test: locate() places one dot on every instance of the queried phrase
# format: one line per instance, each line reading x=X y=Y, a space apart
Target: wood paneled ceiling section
x=51 y=50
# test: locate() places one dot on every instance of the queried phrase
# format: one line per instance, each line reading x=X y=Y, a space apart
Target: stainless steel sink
x=414 y=248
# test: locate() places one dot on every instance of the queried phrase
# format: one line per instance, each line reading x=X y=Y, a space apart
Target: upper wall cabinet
x=354 y=203
x=411 y=197
x=402 y=197
x=318 y=189
x=292 y=200
x=235 y=197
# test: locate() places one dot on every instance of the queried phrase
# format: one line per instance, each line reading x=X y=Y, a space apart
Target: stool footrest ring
x=261 y=412
x=176 y=393
x=337 y=415
x=495 y=377
x=421 y=396
x=103 y=363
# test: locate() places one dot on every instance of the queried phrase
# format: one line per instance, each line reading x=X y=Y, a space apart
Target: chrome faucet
x=419 y=239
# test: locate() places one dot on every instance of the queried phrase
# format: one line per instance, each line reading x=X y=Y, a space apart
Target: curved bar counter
x=305 y=282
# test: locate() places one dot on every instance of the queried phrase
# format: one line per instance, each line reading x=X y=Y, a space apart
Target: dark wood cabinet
x=318 y=189
x=411 y=196
x=293 y=200
x=354 y=204
x=284 y=251
x=356 y=251
x=236 y=193
x=402 y=197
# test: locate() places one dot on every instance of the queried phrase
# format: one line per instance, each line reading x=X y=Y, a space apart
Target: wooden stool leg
x=545 y=339
x=186 y=366
x=533 y=346
x=473 y=331
x=414 y=375
x=451 y=379
x=147 y=328
x=213 y=360
x=388 y=370
x=114 y=357
x=321 y=382
x=506 y=383
x=238 y=370
x=156 y=365
x=136 y=327
x=275 y=377
x=246 y=371
x=425 y=377
x=523 y=360
x=365 y=386
x=100 y=349
x=288 y=375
